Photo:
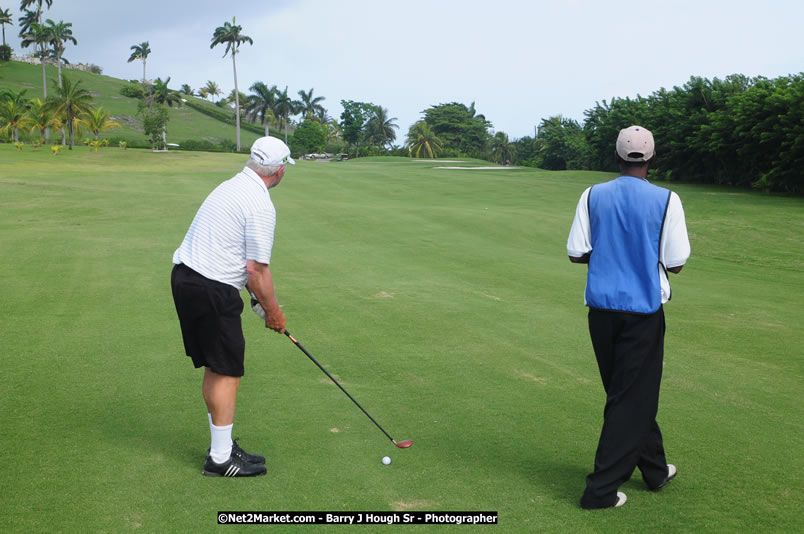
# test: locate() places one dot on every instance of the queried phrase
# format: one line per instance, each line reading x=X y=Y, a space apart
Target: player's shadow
x=144 y=428
x=551 y=473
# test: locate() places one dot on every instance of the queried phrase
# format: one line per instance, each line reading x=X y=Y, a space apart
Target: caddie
x=631 y=233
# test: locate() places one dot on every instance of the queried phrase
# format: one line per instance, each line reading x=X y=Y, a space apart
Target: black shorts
x=209 y=313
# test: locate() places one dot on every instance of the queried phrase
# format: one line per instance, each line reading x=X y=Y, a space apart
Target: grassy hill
x=185 y=122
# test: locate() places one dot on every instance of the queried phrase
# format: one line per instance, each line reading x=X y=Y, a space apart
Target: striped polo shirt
x=235 y=224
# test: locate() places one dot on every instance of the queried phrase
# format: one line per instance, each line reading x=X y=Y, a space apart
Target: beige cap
x=271 y=151
x=635 y=143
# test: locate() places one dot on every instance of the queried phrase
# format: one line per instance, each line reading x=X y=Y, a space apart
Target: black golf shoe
x=247 y=456
x=251 y=458
x=235 y=466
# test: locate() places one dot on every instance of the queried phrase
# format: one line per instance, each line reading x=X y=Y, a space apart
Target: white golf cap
x=635 y=143
x=271 y=151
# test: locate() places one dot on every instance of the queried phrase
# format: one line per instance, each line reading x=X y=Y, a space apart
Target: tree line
x=739 y=131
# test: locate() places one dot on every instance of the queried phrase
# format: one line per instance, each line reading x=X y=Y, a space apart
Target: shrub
x=129 y=143
x=228 y=145
x=133 y=90
x=202 y=145
x=335 y=148
x=5 y=53
x=399 y=151
x=309 y=137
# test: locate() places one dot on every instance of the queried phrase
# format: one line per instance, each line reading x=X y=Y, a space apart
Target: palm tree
x=212 y=89
x=31 y=17
x=186 y=90
x=322 y=116
x=310 y=106
x=71 y=100
x=26 y=20
x=140 y=51
x=422 y=142
x=58 y=124
x=284 y=107
x=166 y=97
x=261 y=103
x=473 y=113
x=501 y=149
x=163 y=95
x=60 y=33
x=203 y=93
x=40 y=118
x=380 y=128
x=240 y=98
x=13 y=114
x=24 y=4
x=5 y=18
x=334 y=133
x=98 y=120
x=230 y=34
x=38 y=36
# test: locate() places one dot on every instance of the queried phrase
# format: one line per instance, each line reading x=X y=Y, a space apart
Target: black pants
x=630 y=350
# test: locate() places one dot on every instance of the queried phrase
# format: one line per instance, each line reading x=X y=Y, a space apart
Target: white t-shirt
x=674 y=246
x=235 y=224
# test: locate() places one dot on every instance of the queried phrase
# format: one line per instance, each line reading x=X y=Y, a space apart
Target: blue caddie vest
x=626 y=217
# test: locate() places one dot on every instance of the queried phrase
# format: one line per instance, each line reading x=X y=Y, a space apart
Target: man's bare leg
x=220 y=395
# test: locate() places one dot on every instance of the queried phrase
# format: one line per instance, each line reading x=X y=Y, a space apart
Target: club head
x=404 y=444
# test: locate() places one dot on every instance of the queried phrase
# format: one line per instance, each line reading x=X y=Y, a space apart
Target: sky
x=520 y=61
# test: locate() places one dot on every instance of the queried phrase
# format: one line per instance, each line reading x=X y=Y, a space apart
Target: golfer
x=630 y=233
x=227 y=247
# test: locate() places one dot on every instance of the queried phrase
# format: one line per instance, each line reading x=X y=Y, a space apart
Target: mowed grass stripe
x=443 y=301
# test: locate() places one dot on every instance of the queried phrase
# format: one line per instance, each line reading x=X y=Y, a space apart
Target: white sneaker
x=621 y=498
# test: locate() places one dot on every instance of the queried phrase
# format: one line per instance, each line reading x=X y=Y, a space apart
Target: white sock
x=220 y=448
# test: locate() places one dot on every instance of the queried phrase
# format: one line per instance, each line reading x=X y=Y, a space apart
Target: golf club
x=401 y=444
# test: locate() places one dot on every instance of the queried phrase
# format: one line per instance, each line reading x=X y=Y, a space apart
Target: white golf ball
x=386 y=460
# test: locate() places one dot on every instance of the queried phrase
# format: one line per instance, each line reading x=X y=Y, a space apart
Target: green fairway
x=443 y=300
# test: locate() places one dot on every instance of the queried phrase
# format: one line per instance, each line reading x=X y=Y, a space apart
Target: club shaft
x=295 y=342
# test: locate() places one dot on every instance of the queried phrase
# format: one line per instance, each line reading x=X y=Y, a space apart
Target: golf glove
x=255 y=305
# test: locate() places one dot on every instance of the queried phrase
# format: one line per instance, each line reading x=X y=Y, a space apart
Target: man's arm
x=675 y=244
x=579 y=246
x=261 y=284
